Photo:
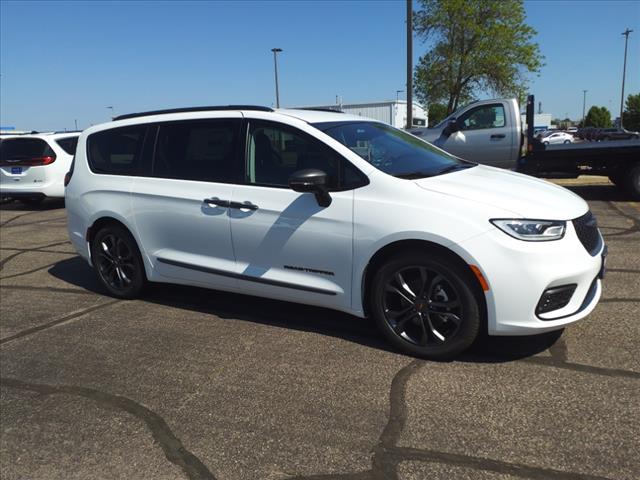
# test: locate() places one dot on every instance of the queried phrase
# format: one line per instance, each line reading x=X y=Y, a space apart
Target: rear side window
x=68 y=144
x=117 y=151
x=18 y=149
x=204 y=150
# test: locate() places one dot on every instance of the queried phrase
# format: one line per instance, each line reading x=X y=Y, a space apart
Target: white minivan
x=333 y=210
x=33 y=166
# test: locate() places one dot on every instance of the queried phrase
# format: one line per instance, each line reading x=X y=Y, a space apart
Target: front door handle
x=498 y=135
x=217 y=202
x=243 y=206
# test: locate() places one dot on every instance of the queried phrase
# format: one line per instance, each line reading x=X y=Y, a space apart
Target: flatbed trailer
x=619 y=160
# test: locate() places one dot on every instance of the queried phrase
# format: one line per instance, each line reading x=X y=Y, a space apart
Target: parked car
x=332 y=210
x=33 y=166
x=556 y=137
x=606 y=134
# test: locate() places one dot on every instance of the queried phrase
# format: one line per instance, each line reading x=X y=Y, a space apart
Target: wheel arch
x=400 y=246
x=104 y=220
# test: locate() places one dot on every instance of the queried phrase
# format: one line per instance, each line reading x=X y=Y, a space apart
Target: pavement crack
x=17 y=217
x=485 y=464
x=4 y=261
x=58 y=321
x=47 y=289
x=34 y=270
x=171 y=445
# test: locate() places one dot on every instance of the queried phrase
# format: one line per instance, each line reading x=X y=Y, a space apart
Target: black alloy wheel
x=426 y=306
x=117 y=262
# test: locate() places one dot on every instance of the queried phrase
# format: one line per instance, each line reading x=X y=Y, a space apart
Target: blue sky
x=67 y=61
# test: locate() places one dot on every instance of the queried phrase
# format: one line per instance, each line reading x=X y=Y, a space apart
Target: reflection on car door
x=181 y=210
x=286 y=245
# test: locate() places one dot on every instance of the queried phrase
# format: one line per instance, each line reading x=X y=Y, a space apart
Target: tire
x=545 y=143
x=117 y=262
x=31 y=201
x=417 y=288
x=631 y=181
x=567 y=141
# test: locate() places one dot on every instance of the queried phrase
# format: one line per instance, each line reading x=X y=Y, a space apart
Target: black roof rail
x=322 y=109
x=194 y=109
x=67 y=131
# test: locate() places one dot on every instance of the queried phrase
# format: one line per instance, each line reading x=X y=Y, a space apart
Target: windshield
x=393 y=151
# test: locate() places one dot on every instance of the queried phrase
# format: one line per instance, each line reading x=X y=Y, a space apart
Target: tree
x=475 y=46
x=437 y=112
x=598 y=117
x=631 y=114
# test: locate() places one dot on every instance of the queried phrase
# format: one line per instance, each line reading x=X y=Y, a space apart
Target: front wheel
x=567 y=141
x=425 y=306
x=117 y=262
x=632 y=181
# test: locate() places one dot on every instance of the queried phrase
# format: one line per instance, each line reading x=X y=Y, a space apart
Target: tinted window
x=391 y=150
x=24 y=149
x=274 y=152
x=117 y=151
x=486 y=116
x=68 y=144
x=200 y=150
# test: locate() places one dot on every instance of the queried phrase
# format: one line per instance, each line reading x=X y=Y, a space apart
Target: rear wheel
x=631 y=181
x=425 y=306
x=567 y=141
x=117 y=262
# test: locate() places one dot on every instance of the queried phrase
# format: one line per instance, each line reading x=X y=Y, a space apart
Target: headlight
x=531 y=230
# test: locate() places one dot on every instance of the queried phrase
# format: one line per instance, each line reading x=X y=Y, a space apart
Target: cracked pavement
x=198 y=384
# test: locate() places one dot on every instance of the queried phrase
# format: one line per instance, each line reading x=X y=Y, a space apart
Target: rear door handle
x=243 y=206
x=217 y=202
x=498 y=135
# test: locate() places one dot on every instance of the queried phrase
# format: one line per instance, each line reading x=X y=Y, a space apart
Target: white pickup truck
x=491 y=132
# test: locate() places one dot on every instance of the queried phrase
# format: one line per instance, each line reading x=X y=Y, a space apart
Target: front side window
x=274 y=152
x=117 y=151
x=391 y=150
x=486 y=116
x=203 y=150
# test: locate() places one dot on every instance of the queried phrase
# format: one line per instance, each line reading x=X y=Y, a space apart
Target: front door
x=286 y=245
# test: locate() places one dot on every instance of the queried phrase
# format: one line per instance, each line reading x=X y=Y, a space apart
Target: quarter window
x=274 y=152
x=200 y=150
x=68 y=144
x=486 y=116
x=117 y=151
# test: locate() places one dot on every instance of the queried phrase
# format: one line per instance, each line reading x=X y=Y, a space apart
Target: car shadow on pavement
x=48 y=204
x=609 y=193
x=233 y=306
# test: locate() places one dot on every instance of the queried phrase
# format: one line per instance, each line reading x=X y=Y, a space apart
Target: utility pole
x=275 y=65
x=409 y=64
x=624 y=71
x=584 y=103
x=76 y=124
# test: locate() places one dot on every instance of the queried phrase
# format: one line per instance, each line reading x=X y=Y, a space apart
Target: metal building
x=393 y=112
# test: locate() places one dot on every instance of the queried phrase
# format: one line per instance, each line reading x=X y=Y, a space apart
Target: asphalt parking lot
x=191 y=383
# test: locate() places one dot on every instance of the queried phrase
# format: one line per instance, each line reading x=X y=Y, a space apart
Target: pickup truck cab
x=489 y=132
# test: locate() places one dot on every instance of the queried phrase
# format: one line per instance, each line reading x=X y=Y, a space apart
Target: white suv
x=33 y=166
x=327 y=209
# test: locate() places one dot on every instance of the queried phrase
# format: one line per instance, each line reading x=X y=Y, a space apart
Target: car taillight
x=46 y=160
x=67 y=178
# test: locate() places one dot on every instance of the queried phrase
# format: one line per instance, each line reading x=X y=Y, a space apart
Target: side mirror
x=313 y=181
x=452 y=127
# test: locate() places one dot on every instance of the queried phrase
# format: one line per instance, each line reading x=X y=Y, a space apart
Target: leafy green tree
x=631 y=114
x=437 y=111
x=474 y=46
x=598 y=117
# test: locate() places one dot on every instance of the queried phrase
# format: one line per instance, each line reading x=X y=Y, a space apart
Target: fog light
x=555 y=298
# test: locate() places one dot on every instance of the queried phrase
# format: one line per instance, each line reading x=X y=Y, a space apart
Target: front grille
x=587 y=230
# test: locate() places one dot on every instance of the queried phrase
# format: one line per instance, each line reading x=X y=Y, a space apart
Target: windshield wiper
x=453 y=168
x=413 y=175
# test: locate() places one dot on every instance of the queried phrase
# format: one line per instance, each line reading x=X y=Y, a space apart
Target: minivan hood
x=525 y=196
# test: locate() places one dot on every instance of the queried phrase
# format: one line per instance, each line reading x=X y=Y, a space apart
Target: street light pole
x=397 y=93
x=275 y=65
x=584 y=102
x=409 y=64
x=624 y=71
x=110 y=108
